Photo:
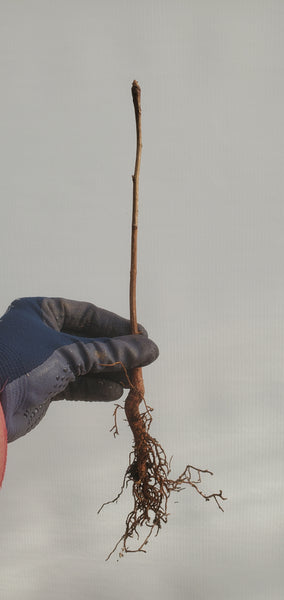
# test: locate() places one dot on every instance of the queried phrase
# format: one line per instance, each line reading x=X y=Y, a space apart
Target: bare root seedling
x=148 y=470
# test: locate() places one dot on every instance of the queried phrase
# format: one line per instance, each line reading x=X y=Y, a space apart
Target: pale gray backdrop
x=210 y=283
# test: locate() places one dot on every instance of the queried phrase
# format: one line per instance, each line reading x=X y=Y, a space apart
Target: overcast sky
x=210 y=284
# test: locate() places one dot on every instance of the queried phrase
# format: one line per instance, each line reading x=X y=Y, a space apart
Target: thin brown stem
x=136 y=95
x=136 y=394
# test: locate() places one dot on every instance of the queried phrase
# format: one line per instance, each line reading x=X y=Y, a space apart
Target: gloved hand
x=53 y=348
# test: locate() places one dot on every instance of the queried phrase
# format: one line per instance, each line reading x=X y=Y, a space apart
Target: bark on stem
x=136 y=394
x=136 y=374
x=136 y=95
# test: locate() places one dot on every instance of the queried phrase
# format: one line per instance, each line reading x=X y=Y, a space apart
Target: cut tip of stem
x=136 y=85
x=136 y=91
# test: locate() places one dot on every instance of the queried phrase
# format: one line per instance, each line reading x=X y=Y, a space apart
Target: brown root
x=115 y=426
x=149 y=471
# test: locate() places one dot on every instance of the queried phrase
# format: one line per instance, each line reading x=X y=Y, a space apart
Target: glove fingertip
x=142 y=330
x=156 y=350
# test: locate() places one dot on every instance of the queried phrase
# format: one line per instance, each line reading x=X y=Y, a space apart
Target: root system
x=149 y=472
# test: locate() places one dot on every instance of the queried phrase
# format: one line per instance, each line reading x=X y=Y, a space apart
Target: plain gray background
x=210 y=284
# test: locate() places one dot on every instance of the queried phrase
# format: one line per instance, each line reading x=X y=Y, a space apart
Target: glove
x=53 y=348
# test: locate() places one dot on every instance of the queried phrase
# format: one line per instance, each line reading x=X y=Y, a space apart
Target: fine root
x=115 y=426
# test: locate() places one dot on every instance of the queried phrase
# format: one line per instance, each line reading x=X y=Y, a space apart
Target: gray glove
x=53 y=348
